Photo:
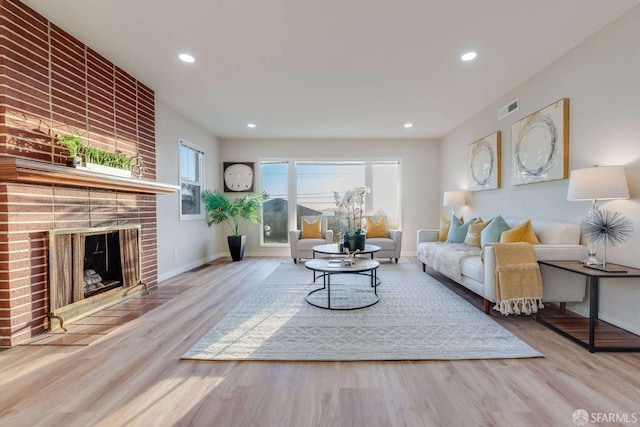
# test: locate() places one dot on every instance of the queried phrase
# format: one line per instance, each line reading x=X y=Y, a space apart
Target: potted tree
x=220 y=209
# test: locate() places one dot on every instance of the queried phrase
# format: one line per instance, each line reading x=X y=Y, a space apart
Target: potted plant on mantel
x=220 y=209
x=74 y=146
x=83 y=156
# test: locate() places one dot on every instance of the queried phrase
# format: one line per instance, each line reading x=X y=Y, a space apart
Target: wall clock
x=238 y=176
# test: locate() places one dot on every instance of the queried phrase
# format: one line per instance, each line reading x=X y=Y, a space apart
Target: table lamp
x=597 y=183
x=453 y=199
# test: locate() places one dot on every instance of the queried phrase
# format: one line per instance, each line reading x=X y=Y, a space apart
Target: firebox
x=90 y=269
x=102 y=270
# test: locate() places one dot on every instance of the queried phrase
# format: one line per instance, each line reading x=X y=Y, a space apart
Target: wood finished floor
x=133 y=376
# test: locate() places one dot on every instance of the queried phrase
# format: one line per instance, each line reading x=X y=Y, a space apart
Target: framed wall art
x=484 y=163
x=238 y=176
x=540 y=145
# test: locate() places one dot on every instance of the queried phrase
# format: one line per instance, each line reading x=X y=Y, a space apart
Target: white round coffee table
x=334 y=249
x=365 y=267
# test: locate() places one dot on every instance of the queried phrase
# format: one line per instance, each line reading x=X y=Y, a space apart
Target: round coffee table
x=365 y=267
x=334 y=249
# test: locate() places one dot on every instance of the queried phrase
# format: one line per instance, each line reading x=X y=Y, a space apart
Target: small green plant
x=73 y=143
x=106 y=158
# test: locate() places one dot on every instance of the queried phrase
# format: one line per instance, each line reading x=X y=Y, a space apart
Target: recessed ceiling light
x=408 y=125
x=186 y=57
x=251 y=125
x=469 y=56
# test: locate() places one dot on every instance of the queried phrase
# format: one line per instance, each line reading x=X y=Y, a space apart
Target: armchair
x=389 y=241
x=303 y=247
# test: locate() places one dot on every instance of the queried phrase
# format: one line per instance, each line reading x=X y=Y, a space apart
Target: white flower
x=351 y=208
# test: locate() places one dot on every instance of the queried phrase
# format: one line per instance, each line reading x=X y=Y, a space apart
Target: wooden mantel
x=34 y=172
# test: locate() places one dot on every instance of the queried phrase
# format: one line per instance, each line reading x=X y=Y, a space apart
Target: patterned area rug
x=417 y=318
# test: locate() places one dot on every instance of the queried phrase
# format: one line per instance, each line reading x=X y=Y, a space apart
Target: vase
x=354 y=241
x=237 y=245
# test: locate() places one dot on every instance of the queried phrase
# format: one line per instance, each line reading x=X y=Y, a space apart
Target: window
x=275 y=211
x=385 y=191
x=316 y=182
x=305 y=187
x=191 y=181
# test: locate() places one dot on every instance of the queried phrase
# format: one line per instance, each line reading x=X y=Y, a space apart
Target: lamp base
x=606 y=269
x=591 y=260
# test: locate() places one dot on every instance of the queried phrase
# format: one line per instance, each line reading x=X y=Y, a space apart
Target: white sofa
x=463 y=264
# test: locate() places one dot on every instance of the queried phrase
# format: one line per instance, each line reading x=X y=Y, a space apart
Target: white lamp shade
x=454 y=198
x=598 y=183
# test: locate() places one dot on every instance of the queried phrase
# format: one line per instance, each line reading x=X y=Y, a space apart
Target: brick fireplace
x=51 y=83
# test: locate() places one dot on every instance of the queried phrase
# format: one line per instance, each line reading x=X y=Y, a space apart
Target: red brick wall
x=51 y=83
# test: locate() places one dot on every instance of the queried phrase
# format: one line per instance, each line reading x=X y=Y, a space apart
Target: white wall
x=601 y=78
x=192 y=242
x=420 y=175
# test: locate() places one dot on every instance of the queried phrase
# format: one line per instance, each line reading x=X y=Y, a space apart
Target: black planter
x=354 y=241
x=236 y=246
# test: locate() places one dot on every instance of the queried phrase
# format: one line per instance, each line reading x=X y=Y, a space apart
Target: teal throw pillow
x=458 y=230
x=492 y=232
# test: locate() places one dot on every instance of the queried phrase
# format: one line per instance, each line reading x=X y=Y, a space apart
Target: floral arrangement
x=350 y=212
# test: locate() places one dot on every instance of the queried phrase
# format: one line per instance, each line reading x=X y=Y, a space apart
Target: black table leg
x=593 y=311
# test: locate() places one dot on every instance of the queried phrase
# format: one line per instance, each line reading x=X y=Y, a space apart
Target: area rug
x=417 y=318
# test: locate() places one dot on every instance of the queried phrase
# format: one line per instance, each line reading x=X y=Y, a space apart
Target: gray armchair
x=391 y=245
x=303 y=248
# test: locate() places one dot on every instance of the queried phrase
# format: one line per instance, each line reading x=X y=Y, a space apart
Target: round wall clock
x=238 y=177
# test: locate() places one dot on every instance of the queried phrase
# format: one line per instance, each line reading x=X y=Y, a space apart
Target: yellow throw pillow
x=444 y=228
x=473 y=234
x=311 y=229
x=377 y=228
x=520 y=233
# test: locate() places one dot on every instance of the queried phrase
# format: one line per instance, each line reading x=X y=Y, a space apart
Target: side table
x=593 y=277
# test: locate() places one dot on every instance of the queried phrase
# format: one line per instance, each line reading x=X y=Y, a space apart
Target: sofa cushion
x=384 y=243
x=473 y=267
x=446 y=257
x=311 y=229
x=492 y=232
x=557 y=233
x=444 y=228
x=458 y=230
x=377 y=227
x=473 y=234
x=520 y=233
x=308 y=244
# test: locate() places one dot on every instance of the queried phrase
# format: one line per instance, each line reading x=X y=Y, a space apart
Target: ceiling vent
x=509 y=108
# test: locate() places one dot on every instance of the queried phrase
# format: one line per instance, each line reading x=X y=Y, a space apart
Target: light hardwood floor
x=133 y=376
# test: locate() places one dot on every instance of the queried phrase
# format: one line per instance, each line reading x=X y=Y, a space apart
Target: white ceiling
x=331 y=68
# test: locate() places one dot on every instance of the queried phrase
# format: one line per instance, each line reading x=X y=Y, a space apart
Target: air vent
x=509 y=108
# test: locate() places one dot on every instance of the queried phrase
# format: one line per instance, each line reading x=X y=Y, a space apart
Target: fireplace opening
x=102 y=263
x=92 y=268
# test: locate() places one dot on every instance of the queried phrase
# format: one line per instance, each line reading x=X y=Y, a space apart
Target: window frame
x=292 y=190
x=260 y=184
x=200 y=154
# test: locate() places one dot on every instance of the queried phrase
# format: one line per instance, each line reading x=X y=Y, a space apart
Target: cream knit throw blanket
x=518 y=279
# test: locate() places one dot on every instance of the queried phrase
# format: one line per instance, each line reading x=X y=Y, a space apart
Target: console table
x=593 y=277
